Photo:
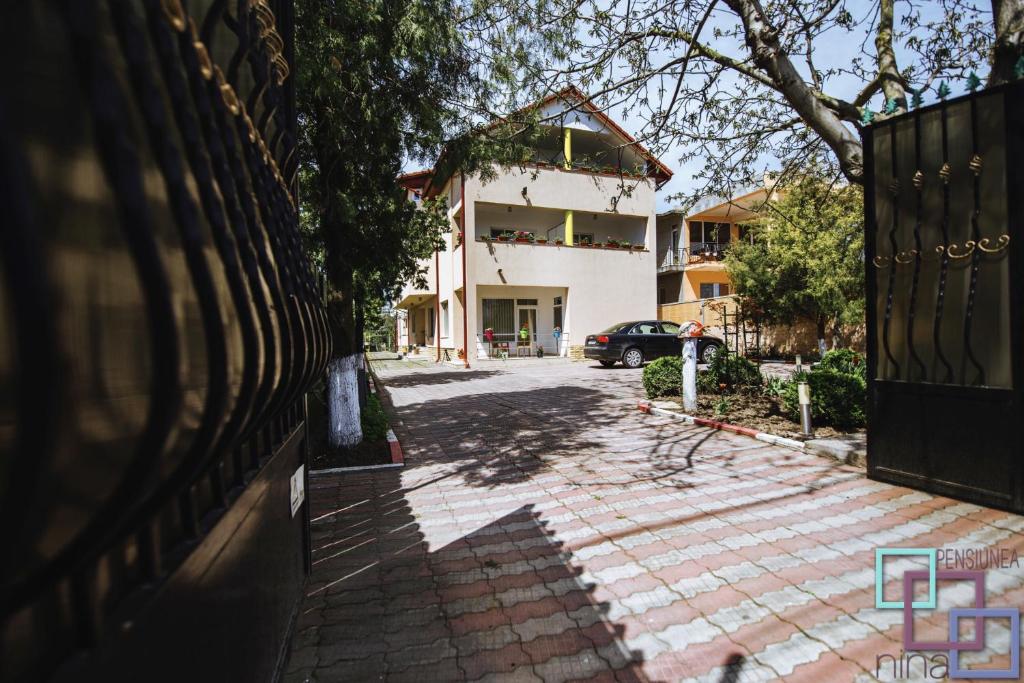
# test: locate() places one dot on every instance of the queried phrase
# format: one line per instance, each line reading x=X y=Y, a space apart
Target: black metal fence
x=945 y=287
x=159 y=327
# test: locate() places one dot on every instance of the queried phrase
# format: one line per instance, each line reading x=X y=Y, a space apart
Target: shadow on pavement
x=382 y=604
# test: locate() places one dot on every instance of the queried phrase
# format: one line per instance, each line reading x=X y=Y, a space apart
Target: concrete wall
x=560 y=189
x=692 y=280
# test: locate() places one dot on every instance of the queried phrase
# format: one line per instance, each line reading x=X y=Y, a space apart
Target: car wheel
x=709 y=353
x=607 y=363
x=633 y=358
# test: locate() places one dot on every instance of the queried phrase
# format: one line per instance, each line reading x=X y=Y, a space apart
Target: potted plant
x=626 y=244
x=541 y=240
x=612 y=243
x=558 y=243
x=598 y=244
x=461 y=353
x=523 y=236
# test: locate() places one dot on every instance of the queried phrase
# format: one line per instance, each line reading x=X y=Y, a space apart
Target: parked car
x=639 y=341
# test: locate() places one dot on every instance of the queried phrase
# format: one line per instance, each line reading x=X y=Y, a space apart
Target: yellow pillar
x=567 y=147
x=568 y=227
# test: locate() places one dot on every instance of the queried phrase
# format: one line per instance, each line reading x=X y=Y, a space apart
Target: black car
x=638 y=341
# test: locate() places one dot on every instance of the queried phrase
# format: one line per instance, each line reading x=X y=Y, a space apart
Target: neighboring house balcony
x=699 y=255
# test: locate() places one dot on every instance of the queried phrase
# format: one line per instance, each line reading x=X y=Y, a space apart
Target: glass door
x=526 y=333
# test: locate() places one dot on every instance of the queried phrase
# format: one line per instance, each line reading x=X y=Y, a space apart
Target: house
x=543 y=254
x=691 y=248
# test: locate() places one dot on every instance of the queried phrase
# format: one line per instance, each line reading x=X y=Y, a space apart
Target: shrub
x=774 y=387
x=732 y=371
x=837 y=398
x=846 y=361
x=374 y=420
x=706 y=383
x=663 y=377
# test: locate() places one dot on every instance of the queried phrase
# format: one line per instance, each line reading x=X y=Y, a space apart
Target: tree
x=377 y=84
x=742 y=84
x=806 y=256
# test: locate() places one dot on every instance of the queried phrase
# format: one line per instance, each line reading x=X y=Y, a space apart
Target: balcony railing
x=560 y=243
x=512 y=345
x=696 y=253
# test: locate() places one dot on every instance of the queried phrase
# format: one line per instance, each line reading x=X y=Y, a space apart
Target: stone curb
x=838 y=451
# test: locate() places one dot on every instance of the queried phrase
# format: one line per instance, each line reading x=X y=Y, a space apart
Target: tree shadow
x=417 y=379
x=383 y=603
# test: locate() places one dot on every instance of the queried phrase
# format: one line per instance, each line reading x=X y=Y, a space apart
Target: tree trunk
x=344 y=428
x=763 y=42
x=1008 y=18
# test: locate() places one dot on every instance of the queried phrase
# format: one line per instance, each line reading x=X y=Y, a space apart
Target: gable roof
x=659 y=171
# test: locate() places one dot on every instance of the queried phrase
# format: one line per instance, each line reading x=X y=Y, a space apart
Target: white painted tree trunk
x=343 y=425
x=690 y=373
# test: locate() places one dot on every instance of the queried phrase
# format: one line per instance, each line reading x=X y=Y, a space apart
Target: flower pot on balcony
x=522 y=239
x=542 y=241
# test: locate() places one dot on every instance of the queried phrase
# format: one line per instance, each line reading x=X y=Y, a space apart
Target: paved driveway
x=544 y=529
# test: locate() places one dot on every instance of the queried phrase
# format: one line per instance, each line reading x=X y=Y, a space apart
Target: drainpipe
x=437 y=304
x=465 y=285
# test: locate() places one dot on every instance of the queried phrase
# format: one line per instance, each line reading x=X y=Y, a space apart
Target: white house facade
x=553 y=251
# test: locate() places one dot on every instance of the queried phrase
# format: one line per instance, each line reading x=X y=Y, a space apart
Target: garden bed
x=376 y=452
x=755 y=411
x=375 y=448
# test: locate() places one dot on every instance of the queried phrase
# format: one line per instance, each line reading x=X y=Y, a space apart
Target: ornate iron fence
x=944 y=289
x=160 y=327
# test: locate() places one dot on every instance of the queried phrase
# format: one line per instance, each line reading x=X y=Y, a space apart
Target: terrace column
x=568 y=227
x=567 y=147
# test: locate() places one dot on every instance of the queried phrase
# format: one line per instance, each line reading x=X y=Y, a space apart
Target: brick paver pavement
x=544 y=529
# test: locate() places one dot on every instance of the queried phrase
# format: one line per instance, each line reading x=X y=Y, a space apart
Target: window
x=707 y=232
x=444 y=318
x=713 y=289
x=557 y=317
x=669 y=328
x=644 y=328
x=430 y=321
x=499 y=316
x=526 y=302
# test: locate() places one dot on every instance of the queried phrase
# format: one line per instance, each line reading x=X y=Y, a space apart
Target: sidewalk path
x=545 y=530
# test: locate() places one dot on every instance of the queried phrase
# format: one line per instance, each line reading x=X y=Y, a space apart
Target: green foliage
x=706 y=383
x=837 y=398
x=774 y=387
x=806 y=259
x=844 y=360
x=722 y=406
x=375 y=85
x=735 y=372
x=374 y=420
x=663 y=377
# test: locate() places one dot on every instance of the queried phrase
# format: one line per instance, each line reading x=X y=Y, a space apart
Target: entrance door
x=526 y=315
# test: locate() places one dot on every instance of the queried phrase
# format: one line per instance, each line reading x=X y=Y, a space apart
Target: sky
x=836 y=49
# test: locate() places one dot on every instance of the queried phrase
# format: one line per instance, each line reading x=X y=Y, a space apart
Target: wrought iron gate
x=159 y=327
x=945 y=283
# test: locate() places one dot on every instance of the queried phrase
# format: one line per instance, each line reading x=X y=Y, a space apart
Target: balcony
x=701 y=255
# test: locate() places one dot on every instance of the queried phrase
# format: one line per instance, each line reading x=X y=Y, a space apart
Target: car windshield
x=616 y=327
